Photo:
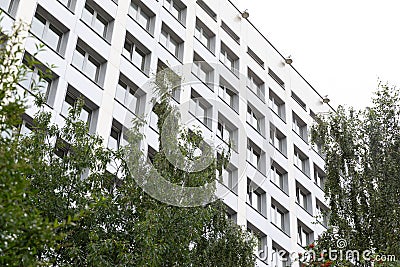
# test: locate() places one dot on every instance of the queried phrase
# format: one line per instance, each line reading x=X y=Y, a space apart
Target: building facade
x=246 y=94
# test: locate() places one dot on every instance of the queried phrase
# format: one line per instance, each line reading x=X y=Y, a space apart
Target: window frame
x=71 y=99
x=200 y=65
x=10 y=7
x=47 y=26
x=319 y=177
x=87 y=57
x=304 y=235
x=136 y=50
x=300 y=127
x=131 y=93
x=277 y=105
x=299 y=158
x=171 y=39
x=303 y=198
x=95 y=16
x=321 y=211
x=255 y=84
x=36 y=78
x=142 y=9
x=276 y=213
x=278 y=174
x=200 y=104
x=254 y=152
x=70 y=4
x=225 y=93
x=179 y=7
x=229 y=59
x=202 y=32
x=277 y=136
x=256 y=198
x=254 y=117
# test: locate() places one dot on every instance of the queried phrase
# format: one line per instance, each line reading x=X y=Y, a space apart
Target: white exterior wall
x=103 y=96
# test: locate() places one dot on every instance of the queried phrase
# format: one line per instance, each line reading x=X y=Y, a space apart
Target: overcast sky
x=341 y=47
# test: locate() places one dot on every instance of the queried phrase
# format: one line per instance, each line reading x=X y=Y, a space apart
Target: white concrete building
x=105 y=50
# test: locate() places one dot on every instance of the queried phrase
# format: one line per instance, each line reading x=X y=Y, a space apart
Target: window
x=319 y=148
x=230 y=178
x=231 y=215
x=301 y=161
x=262 y=247
x=227 y=132
x=9 y=6
x=97 y=20
x=280 y=257
x=277 y=139
x=88 y=109
x=142 y=15
x=255 y=119
x=321 y=213
x=277 y=105
x=276 y=78
x=255 y=84
x=279 y=177
x=62 y=148
x=86 y=61
x=170 y=79
x=48 y=29
x=229 y=59
x=231 y=33
x=299 y=127
x=228 y=94
x=255 y=156
x=70 y=4
x=201 y=109
x=299 y=101
x=36 y=78
x=207 y=9
x=203 y=71
x=151 y=153
x=177 y=9
x=171 y=42
x=204 y=35
x=256 y=197
x=26 y=126
x=116 y=139
x=304 y=235
x=153 y=122
x=129 y=95
x=319 y=177
x=303 y=197
x=279 y=216
x=255 y=57
x=137 y=53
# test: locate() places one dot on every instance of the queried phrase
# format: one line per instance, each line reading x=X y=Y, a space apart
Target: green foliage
x=67 y=201
x=363 y=169
x=24 y=230
x=203 y=235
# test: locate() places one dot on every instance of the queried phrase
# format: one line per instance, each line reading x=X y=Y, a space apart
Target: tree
x=24 y=230
x=362 y=172
x=68 y=201
x=203 y=235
